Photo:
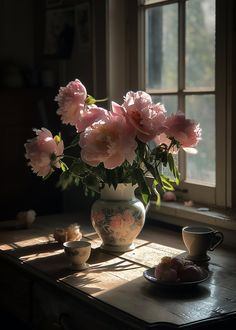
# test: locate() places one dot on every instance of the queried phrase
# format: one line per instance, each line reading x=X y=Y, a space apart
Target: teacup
x=200 y=239
x=78 y=252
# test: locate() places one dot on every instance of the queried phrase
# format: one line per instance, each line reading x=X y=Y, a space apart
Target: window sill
x=177 y=214
x=219 y=218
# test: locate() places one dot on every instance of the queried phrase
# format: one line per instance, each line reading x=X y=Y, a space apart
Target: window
x=183 y=65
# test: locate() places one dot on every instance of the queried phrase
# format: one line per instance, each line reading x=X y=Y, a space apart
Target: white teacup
x=200 y=239
x=78 y=252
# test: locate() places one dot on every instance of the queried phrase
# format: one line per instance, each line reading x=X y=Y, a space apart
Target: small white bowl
x=78 y=252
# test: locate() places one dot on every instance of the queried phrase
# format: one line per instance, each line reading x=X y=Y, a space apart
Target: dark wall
x=30 y=75
x=233 y=103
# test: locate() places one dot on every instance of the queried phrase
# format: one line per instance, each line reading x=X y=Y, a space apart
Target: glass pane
x=200 y=43
x=161 y=44
x=201 y=167
x=170 y=102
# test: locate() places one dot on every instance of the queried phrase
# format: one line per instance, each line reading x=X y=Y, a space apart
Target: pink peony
x=119 y=110
x=186 y=131
x=42 y=152
x=146 y=117
x=108 y=141
x=71 y=100
x=88 y=116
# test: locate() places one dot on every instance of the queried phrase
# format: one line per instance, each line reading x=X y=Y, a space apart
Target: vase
x=118 y=217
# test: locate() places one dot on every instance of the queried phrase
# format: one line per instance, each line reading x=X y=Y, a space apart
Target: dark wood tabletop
x=114 y=283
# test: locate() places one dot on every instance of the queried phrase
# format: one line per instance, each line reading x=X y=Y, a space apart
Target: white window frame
x=221 y=194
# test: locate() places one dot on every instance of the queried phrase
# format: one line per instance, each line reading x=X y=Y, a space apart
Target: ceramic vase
x=118 y=217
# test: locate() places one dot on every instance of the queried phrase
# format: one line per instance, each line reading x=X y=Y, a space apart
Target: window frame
x=221 y=194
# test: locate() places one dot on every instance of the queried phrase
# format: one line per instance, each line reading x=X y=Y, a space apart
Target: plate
x=149 y=275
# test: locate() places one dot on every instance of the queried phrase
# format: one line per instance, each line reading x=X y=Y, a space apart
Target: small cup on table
x=78 y=253
x=200 y=239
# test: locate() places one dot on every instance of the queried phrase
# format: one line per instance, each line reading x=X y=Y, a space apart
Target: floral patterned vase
x=118 y=217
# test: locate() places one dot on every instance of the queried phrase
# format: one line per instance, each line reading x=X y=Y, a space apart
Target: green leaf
x=164 y=158
x=63 y=165
x=150 y=168
x=145 y=198
x=173 y=168
x=171 y=163
x=141 y=150
x=158 y=197
x=177 y=176
x=166 y=183
x=155 y=183
x=120 y=173
x=78 y=168
x=144 y=188
x=91 y=182
x=65 y=180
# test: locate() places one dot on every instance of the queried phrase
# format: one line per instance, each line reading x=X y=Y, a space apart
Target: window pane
x=201 y=167
x=200 y=43
x=170 y=102
x=161 y=47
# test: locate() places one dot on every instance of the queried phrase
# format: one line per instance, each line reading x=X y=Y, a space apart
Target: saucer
x=202 y=258
x=79 y=267
x=149 y=275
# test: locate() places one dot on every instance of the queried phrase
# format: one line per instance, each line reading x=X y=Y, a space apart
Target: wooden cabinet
x=54 y=308
x=15 y=296
x=23 y=109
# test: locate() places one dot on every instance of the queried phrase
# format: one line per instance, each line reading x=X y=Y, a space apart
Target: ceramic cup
x=78 y=253
x=200 y=239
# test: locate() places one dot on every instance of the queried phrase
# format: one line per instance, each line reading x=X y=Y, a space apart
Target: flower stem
x=68 y=156
x=71 y=146
x=102 y=100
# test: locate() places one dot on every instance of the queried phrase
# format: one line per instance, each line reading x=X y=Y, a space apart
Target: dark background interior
x=31 y=71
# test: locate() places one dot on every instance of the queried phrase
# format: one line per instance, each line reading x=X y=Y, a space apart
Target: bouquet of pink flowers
x=112 y=146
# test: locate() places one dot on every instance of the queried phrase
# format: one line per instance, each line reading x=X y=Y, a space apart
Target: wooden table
x=39 y=287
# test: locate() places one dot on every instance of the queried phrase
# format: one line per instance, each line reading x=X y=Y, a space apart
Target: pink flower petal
x=71 y=100
x=41 y=150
